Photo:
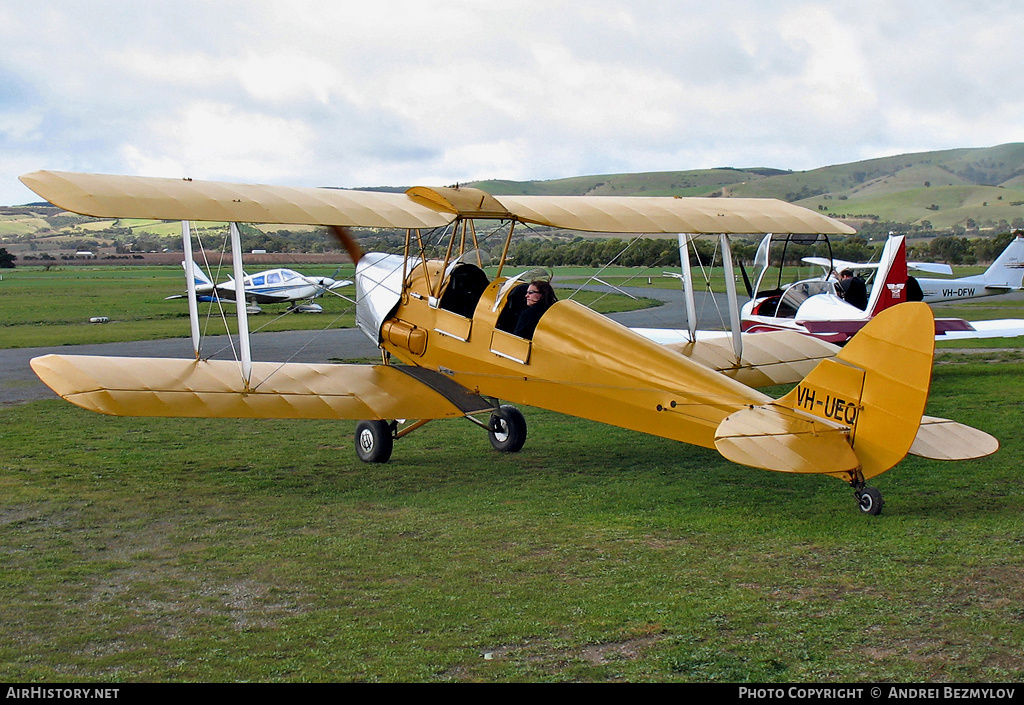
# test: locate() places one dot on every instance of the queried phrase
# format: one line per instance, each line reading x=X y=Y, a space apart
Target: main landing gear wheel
x=870 y=500
x=507 y=429
x=374 y=441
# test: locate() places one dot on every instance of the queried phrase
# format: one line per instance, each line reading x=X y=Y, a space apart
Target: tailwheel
x=507 y=429
x=870 y=500
x=375 y=440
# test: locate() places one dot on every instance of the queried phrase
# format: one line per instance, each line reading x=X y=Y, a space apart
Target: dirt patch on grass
x=955 y=356
x=553 y=659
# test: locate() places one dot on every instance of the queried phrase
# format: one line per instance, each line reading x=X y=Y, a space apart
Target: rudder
x=877 y=386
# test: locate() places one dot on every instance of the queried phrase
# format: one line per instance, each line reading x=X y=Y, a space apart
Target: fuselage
x=938 y=290
x=579 y=362
x=810 y=307
x=272 y=286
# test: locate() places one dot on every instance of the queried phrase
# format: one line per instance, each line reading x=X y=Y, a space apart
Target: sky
x=431 y=92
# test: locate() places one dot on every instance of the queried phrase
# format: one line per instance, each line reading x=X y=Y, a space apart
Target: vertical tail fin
x=852 y=417
x=197 y=274
x=890 y=287
x=1009 y=266
x=877 y=385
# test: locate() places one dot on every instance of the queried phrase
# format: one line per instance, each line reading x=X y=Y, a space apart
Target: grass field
x=54 y=307
x=44 y=308
x=166 y=550
x=170 y=550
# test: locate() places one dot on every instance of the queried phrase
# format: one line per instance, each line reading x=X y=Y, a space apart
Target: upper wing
x=839 y=265
x=126 y=386
x=640 y=214
x=104 y=195
x=107 y=196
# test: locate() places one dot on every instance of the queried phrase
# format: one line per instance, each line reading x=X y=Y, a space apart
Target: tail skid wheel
x=507 y=429
x=374 y=441
x=870 y=500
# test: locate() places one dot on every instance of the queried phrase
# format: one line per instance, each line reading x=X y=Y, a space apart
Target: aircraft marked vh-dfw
x=852 y=417
x=273 y=286
x=1004 y=275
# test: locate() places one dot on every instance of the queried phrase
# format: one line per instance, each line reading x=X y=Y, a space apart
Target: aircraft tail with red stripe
x=890 y=287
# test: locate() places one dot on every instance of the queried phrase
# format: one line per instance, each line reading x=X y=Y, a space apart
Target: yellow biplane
x=855 y=412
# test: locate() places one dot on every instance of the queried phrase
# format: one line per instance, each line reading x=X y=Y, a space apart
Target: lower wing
x=1002 y=328
x=127 y=386
x=776 y=357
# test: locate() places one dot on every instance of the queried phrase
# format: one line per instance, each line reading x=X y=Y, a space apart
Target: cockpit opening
x=466 y=285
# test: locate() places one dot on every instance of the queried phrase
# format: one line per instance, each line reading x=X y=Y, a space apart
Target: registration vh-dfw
x=447 y=350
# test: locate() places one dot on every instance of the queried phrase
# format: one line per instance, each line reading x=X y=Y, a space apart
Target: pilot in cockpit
x=539 y=297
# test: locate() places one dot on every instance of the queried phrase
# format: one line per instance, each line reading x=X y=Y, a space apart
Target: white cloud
x=395 y=92
x=211 y=140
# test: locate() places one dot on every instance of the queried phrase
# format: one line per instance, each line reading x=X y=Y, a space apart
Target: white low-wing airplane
x=274 y=286
x=1002 y=277
x=852 y=417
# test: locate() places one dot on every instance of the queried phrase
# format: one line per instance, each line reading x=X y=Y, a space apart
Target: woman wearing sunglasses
x=539 y=297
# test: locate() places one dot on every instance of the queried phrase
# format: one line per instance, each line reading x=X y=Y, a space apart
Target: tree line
x=551 y=251
x=651 y=252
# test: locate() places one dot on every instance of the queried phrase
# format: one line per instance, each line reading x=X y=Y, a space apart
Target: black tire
x=374 y=441
x=508 y=429
x=870 y=501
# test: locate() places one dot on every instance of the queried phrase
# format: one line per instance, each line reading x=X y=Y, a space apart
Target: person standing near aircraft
x=539 y=297
x=853 y=289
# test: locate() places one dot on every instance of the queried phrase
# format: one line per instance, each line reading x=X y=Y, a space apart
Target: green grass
x=45 y=308
x=170 y=550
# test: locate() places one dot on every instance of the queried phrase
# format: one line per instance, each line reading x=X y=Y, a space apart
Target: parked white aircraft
x=1002 y=277
x=273 y=286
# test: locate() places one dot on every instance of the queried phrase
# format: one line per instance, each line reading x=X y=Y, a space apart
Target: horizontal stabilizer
x=776 y=357
x=931 y=267
x=942 y=439
x=777 y=438
x=128 y=386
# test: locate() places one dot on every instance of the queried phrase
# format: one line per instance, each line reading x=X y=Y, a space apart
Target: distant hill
x=659 y=183
x=972 y=192
x=945 y=188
